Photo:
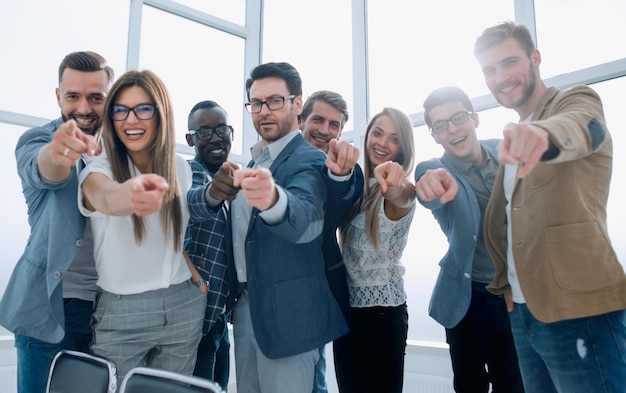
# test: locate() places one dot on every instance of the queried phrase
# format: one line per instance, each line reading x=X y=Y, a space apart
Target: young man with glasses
x=456 y=188
x=211 y=136
x=284 y=310
x=49 y=298
x=546 y=228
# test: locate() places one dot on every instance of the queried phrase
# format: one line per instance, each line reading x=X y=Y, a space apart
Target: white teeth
x=454 y=142
x=134 y=132
x=82 y=121
x=217 y=151
x=380 y=153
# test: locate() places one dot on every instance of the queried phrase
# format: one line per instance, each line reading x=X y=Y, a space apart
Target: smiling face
x=272 y=125
x=81 y=97
x=383 y=142
x=512 y=76
x=136 y=134
x=322 y=125
x=214 y=151
x=460 y=140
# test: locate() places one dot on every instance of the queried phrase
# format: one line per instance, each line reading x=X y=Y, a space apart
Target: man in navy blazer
x=284 y=310
x=456 y=188
x=323 y=117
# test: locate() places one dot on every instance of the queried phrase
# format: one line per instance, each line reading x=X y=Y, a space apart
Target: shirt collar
x=275 y=147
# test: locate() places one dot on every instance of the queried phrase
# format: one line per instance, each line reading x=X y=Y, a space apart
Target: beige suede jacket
x=565 y=263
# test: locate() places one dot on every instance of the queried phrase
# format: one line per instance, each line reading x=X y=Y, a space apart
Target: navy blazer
x=291 y=306
x=459 y=219
x=341 y=198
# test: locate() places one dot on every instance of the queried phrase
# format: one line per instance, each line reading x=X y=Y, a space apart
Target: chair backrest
x=144 y=379
x=79 y=372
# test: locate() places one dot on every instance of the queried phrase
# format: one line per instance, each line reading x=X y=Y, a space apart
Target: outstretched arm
x=141 y=195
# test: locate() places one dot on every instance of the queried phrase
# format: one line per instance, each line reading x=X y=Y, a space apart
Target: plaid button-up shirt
x=204 y=243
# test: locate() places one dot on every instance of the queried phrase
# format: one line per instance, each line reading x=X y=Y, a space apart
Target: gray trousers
x=257 y=373
x=159 y=329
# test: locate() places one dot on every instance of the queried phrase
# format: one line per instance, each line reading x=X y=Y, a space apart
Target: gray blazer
x=459 y=219
x=32 y=304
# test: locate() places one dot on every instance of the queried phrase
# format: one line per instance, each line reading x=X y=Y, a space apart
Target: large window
x=196 y=63
x=415 y=47
x=579 y=34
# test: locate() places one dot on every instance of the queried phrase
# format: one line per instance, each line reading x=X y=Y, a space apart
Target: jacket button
x=79 y=243
x=467 y=275
x=56 y=275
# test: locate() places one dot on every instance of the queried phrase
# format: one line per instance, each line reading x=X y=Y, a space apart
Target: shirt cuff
x=210 y=201
x=340 y=178
x=276 y=213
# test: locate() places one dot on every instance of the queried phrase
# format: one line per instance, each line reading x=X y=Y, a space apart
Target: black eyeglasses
x=222 y=131
x=142 y=111
x=273 y=104
x=458 y=119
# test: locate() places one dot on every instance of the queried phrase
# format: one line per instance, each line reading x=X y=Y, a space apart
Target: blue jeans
x=34 y=357
x=213 y=358
x=319 y=379
x=577 y=355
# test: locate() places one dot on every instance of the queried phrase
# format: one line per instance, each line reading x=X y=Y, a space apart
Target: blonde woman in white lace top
x=371 y=357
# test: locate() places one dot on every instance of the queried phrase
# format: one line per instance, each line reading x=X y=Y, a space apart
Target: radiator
x=8 y=379
x=419 y=383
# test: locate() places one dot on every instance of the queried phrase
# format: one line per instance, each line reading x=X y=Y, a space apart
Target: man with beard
x=545 y=225
x=211 y=135
x=323 y=116
x=49 y=298
x=282 y=308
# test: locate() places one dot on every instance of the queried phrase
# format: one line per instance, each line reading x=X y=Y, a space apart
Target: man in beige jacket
x=545 y=226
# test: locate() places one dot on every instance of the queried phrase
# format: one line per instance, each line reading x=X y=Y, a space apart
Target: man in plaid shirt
x=211 y=135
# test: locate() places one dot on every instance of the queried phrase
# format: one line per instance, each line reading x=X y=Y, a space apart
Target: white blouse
x=123 y=266
x=375 y=277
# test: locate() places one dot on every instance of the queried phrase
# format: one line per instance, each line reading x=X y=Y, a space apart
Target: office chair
x=78 y=372
x=144 y=379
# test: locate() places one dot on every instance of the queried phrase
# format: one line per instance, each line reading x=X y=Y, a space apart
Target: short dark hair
x=86 y=61
x=502 y=31
x=207 y=104
x=443 y=95
x=331 y=98
x=279 y=70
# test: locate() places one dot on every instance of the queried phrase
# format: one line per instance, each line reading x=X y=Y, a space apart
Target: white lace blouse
x=375 y=277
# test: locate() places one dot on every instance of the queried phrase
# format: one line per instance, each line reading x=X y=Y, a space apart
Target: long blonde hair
x=372 y=197
x=163 y=148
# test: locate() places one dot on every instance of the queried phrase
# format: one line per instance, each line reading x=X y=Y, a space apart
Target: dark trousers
x=371 y=357
x=213 y=357
x=482 y=348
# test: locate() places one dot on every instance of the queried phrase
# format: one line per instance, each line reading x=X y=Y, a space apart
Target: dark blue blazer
x=459 y=219
x=291 y=305
x=341 y=198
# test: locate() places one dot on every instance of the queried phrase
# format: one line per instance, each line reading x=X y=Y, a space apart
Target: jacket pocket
x=582 y=258
x=301 y=308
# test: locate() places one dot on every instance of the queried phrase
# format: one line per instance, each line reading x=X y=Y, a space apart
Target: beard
x=87 y=130
x=529 y=89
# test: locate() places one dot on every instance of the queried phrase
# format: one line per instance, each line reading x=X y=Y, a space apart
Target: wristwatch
x=201 y=282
